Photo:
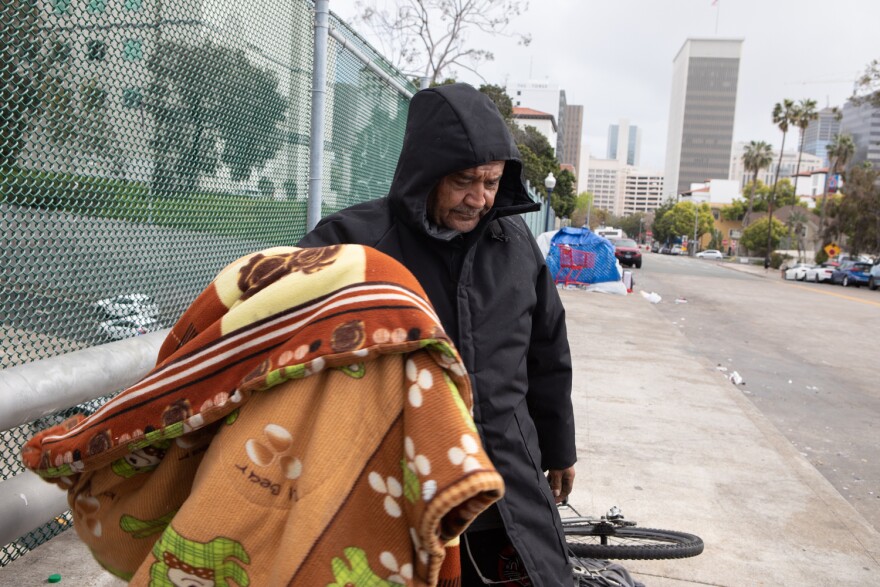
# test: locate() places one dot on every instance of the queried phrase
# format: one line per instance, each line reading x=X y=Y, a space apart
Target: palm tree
x=805 y=112
x=797 y=225
x=840 y=150
x=783 y=116
x=758 y=156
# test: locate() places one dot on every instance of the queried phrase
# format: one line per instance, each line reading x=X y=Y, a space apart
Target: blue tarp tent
x=604 y=265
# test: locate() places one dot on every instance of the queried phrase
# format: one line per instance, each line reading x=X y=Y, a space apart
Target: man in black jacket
x=452 y=218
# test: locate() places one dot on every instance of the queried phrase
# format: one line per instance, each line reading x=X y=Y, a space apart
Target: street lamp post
x=696 y=217
x=549 y=183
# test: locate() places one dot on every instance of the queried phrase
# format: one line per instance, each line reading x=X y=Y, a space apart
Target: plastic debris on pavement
x=736 y=379
x=681 y=300
x=652 y=297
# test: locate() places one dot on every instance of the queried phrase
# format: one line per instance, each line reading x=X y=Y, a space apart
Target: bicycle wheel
x=630 y=543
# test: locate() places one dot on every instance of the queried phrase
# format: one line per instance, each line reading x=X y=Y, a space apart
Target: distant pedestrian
x=766 y=262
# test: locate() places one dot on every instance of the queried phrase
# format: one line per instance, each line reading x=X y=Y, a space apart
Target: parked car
x=675 y=250
x=710 y=254
x=627 y=251
x=133 y=304
x=120 y=328
x=821 y=273
x=664 y=250
x=851 y=273
x=798 y=271
x=655 y=247
x=874 y=277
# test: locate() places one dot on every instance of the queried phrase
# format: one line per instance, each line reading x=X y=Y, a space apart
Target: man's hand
x=561 y=482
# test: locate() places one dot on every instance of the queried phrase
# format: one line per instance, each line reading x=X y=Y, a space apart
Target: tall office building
x=701 y=112
x=862 y=122
x=570 y=132
x=625 y=139
x=820 y=133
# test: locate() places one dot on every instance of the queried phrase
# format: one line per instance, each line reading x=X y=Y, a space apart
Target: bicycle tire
x=631 y=542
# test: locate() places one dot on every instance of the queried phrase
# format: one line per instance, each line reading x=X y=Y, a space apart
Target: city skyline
x=615 y=59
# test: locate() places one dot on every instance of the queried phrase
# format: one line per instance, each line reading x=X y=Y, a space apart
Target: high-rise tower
x=701 y=112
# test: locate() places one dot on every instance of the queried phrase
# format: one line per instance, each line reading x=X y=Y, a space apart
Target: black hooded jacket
x=496 y=300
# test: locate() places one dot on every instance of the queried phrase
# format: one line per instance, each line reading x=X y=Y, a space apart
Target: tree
x=563 y=200
x=783 y=115
x=858 y=212
x=661 y=227
x=502 y=100
x=754 y=237
x=432 y=35
x=681 y=219
x=867 y=90
x=580 y=216
x=804 y=113
x=210 y=105
x=840 y=150
x=758 y=156
x=797 y=227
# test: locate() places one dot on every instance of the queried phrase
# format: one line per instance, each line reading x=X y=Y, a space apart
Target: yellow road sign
x=832 y=249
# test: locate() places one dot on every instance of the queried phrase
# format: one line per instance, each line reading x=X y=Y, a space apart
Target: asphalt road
x=807 y=353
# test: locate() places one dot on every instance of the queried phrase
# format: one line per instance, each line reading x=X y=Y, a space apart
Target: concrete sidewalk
x=674 y=444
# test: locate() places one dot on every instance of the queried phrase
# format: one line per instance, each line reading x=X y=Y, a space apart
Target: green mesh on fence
x=145 y=144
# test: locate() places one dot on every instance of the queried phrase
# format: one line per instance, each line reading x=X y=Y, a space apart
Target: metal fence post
x=319 y=90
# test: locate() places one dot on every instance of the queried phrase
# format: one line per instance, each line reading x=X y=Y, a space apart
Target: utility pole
x=696 y=217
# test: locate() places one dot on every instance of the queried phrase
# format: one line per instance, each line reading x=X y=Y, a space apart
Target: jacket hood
x=448 y=129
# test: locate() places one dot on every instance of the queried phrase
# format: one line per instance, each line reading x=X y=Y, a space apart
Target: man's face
x=462 y=198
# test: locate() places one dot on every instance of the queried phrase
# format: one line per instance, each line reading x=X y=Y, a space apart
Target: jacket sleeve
x=329 y=231
x=550 y=376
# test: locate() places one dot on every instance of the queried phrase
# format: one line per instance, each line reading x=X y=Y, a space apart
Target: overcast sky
x=614 y=57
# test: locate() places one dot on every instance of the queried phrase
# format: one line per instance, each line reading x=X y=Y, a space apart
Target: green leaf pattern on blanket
x=182 y=562
x=145 y=528
x=456 y=397
x=357 y=572
x=277 y=376
x=156 y=437
x=356 y=370
x=412 y=489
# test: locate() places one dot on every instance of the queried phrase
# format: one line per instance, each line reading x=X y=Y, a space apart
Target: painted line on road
x=836 y=295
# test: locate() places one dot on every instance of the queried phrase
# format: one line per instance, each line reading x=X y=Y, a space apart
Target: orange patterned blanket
x=307 y=423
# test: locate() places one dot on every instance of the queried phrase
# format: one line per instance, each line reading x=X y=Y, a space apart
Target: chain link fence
x=145 y=144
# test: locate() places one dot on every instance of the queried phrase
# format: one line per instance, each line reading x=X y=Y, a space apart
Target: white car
x=797 y=271
x=710 y=254
x=120 y=328
x=820 y=273
x=133 y=304
x=675 y=250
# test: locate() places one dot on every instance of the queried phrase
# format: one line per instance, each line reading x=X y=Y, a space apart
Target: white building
x=701 y=112
x=624 y=142
x=642 y=190
x=542 y=96
x=543 y=121
x=620 y=188
x=714 y=191
x=788 y=168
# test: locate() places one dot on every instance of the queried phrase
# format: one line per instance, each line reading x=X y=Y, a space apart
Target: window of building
x=131 y=97
x=60 y=6
x=133 y=50
x=133 y=4
x=97 y=50
x=97 y=6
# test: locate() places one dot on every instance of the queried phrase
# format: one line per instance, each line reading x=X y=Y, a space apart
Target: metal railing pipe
x=37 y=389
x=27 y=502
